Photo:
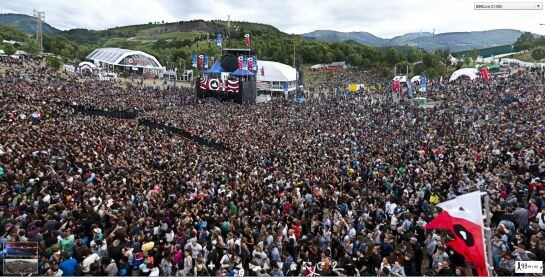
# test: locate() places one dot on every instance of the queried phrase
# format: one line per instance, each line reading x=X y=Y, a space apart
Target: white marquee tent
x=272 y=76
x=471 y=73
x=87 y=66
x=415 y=79
x=400 y=78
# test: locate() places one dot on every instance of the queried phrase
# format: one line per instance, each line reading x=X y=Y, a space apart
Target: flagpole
x=488 y=235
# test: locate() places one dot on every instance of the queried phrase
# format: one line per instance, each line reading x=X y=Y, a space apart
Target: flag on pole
x=484 y=73
x=422 y=83
x=396 y=85
x=218 y=40
x=410 y=87
x=194 y=62
x=463 y=217
x=247 y=40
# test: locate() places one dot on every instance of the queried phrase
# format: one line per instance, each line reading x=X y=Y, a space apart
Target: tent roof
x=87 y=64
x=415 y=79
x=400 y=78
x=216 y=69
x=275 y=72
x=242 y=72
x=469 y=72
x=116 y=55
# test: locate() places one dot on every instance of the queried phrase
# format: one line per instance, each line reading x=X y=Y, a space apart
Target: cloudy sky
x=386 y=18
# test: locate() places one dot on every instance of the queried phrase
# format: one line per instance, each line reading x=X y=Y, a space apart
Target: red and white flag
x=463 y=217
x=247 y=40
x=484 y=73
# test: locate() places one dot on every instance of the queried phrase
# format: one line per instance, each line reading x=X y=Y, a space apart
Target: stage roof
x=124 y=57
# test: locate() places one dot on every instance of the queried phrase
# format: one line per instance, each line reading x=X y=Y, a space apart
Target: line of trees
x=268 y=42
x=528 y=41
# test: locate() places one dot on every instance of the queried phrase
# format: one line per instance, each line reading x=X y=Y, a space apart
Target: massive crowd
x=341 y=184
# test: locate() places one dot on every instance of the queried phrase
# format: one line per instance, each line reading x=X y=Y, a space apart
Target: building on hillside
x=130 y=61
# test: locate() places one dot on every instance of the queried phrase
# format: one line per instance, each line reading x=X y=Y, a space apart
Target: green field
x=526 y=57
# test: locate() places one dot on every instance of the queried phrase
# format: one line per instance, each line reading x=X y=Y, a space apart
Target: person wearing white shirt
x=541 y=219
x=88 y=261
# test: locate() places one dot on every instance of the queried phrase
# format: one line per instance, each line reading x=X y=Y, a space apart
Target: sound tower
x=247 y=92
x=229 y=62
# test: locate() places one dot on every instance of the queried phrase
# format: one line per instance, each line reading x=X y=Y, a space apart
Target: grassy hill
x=173 y=44
x=26 y=23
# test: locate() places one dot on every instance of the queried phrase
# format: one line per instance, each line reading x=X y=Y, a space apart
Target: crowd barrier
x=130 y=114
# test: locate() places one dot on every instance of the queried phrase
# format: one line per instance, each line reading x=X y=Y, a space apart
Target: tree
x=525 y=41
x=467 y=60
x=53 y=62
x=31 y=47
x=430 y=60
x=474 y=54
x=419 y=69
x=9 y=49
x=413 y=56
x=538 y=53
x=392 y=56
x=354 y=59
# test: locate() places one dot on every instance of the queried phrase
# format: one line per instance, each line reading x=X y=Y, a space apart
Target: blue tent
x=242 y=72
x=216 y=69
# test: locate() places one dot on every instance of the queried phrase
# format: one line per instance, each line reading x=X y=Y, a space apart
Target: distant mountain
x=456 y=41
x=361 y=37
x=26 y=24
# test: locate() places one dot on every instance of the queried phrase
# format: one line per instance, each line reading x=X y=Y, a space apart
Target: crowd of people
x=342 y=184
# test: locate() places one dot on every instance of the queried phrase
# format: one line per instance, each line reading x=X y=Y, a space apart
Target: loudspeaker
x=247 y=92
x=229 y=62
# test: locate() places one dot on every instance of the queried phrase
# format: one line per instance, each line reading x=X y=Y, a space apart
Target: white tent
x=87 y=66
x=274 y=76
x=400 y=78
x=415 y=79
x=317 y=66
x=471 y=73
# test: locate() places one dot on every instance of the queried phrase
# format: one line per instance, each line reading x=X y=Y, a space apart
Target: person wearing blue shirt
x=69 y=265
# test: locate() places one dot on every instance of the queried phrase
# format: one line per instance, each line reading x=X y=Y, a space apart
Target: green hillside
x=26 y=23
x=174 y=43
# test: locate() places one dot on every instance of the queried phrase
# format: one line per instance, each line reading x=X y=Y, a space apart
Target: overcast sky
x=386 y=18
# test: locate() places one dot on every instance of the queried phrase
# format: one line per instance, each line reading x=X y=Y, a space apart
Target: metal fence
x=131 y=114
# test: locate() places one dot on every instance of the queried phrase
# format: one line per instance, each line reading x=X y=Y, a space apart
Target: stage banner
x=250 y=63
x=205 y=62
x=244 y=63
x=194 y=62
x=254 y=65
x=200 y=61
x=215 y=84
x=218 y=40
x=240 y=58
